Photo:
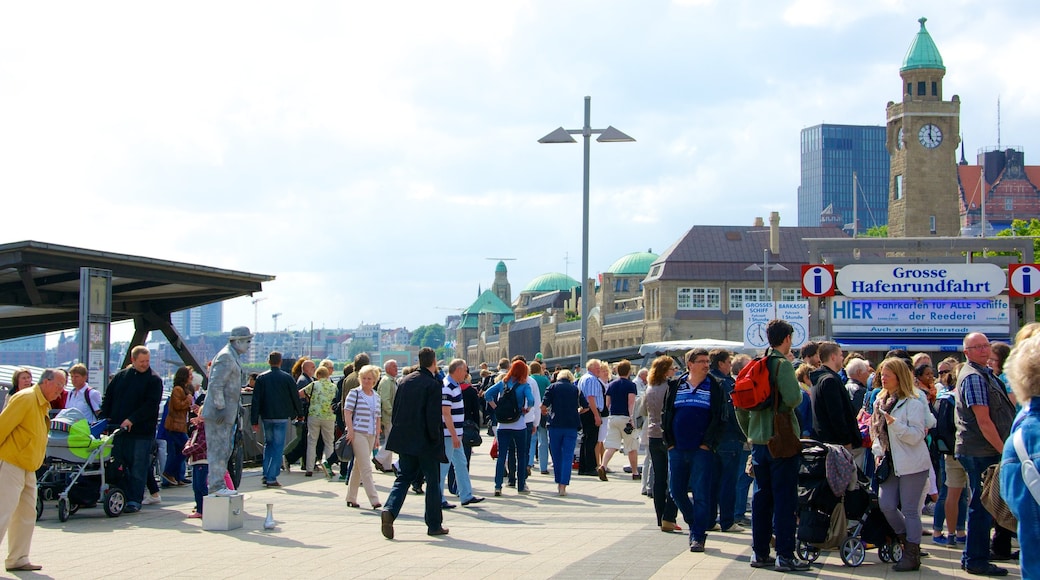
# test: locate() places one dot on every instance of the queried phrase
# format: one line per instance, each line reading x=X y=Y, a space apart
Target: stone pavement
x=600 y=530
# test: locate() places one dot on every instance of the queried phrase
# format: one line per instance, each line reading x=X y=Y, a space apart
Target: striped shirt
x=451 y=396
x=365 y=409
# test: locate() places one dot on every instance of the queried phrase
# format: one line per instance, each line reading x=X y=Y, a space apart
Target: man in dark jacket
x=692 y=424
x=729 y=457
x=132 y=402
x=416 y=438
x=834 y=419
x=275 y=401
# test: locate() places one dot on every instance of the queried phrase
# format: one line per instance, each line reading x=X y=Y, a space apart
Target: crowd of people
x=925 y=435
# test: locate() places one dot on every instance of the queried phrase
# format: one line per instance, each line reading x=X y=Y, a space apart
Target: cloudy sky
x=373 y=155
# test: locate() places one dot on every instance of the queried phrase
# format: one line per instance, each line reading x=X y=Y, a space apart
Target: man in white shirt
x=82 y=397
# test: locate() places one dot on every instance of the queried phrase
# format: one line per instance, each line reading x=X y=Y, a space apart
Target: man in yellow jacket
x=23 y=442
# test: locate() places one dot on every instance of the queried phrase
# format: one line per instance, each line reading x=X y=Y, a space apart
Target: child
x=195 y=450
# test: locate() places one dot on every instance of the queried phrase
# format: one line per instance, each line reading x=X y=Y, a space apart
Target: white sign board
x=921 y=280
x=758 y=314
x=919 y=317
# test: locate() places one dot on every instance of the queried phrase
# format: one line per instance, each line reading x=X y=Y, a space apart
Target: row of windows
x=702 y=298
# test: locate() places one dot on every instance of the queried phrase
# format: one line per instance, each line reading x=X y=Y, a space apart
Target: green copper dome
x=500 y=267
x=636 y=263
x=487 y=303
x=551 y=282
x=922 y=52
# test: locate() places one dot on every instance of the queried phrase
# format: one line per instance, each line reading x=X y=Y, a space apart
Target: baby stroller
x=78 y=470
x=817 y=502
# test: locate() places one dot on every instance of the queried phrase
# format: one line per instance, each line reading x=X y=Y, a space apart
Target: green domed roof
x=551 y=282
x=922 y=52
x=500 y=267
x=636 y=263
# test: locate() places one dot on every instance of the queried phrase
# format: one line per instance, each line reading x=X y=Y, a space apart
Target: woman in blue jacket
x=561 y=404
x=1023 y=369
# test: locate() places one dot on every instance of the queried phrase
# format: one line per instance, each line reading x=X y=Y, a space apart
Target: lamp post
x=608 y=135
x=765 y=267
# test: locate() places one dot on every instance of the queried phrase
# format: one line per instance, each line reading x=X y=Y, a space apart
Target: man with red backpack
x=776 y=491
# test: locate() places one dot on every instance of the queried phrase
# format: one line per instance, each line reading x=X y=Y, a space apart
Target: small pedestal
x=220 y=514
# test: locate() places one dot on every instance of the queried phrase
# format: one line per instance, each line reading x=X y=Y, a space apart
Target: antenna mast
x=998 y=122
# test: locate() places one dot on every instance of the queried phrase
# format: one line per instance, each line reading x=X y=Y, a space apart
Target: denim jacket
x=1014 y=490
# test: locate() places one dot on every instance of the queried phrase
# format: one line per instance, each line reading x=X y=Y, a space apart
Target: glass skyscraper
x=830 y=154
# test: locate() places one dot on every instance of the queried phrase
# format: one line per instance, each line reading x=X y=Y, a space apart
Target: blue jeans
x=175 y=460
x=274 y=444
x=774 y=503
x=199 y=484
x=561 y=445
x=539 y=447
x=691 y=470
x=456 y=459
x=980 y=522
x=511 y=442
x=134 y=455
x=744 y=482
x=410 y=468
x=724 y=483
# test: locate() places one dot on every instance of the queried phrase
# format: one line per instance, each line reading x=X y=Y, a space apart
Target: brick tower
x=922 y=137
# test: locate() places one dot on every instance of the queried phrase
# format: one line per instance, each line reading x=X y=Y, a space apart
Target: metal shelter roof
x=39 y=290
x=39 y=286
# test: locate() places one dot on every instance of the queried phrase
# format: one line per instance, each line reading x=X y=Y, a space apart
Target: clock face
x=899 y=139
x=930 y=136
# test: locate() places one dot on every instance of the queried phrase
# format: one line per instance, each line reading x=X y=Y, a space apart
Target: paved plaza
x=600 y=530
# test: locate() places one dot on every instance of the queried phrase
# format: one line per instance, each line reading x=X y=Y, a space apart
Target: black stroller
x=816 y=503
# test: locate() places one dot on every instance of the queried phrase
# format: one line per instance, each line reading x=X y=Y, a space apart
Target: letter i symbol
x=1027 y=288
x=817 y=282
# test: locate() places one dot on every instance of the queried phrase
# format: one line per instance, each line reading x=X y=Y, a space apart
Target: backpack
x=507 y=408
x=753 y=390
x=945 y=431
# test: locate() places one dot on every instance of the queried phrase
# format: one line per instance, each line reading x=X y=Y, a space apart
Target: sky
x=379 y=157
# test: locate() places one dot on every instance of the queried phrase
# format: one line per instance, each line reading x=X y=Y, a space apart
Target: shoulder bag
x=785 y=442
x=344 y=450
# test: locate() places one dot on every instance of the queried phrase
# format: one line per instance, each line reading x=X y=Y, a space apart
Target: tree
x=359 y=346
x=1022 y=228
x=431 y=335
x=876 y=232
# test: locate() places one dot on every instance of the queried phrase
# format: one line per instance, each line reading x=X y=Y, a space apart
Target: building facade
x=1003 y=185
x=830 y=156
x=200 y=320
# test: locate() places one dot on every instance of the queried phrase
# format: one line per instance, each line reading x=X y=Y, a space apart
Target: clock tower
x=923 y=132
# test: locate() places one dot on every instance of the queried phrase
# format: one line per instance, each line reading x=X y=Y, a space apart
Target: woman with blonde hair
x=361 y=413
x=898 y=427
x=662 y=369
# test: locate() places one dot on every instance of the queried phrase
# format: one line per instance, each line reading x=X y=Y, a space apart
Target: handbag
x=884 y=470
x=785 y=442
x=344 y=450
x=471 y=434
x=494 y=449
x=993 y=502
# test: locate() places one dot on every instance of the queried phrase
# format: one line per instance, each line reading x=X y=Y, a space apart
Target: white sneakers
x=152 y=499
x=226 y=493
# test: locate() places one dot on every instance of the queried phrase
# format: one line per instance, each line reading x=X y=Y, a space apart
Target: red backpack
x=753 y=390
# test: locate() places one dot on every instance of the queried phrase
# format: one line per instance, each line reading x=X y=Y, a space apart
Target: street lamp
x=765 y=267
x=608 y=135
